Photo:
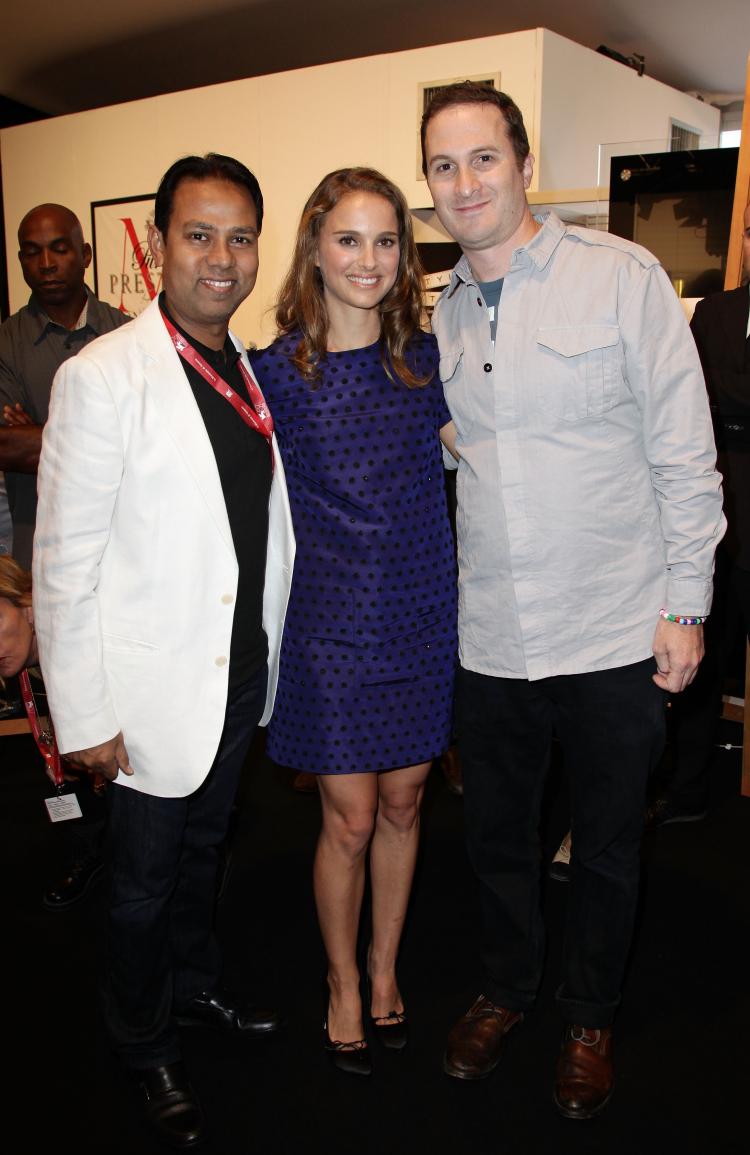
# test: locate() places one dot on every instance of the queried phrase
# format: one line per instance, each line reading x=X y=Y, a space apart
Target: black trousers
x=162 y=856
x=611 y=728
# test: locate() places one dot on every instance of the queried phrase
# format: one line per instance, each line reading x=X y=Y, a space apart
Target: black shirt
x=244 y=463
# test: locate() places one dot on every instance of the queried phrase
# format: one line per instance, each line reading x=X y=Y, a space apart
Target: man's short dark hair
x=467 y=92
x=212 y=166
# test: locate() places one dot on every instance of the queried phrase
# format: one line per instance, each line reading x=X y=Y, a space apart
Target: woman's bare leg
x=393 y=854
x=349 y=803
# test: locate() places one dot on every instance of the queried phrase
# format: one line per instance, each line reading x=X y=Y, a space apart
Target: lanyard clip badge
x=63 y=806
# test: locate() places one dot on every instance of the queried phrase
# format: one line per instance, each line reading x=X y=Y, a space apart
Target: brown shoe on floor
x=451 y=767
x=475 y=1043
x=305 y=783
x=584 y=1079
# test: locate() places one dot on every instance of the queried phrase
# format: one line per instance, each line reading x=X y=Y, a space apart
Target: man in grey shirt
x=61 y=317
x=589 y=509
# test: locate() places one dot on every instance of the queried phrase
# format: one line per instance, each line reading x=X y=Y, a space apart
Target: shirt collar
x=538 y=252
x=89 y=317
x=225 y=358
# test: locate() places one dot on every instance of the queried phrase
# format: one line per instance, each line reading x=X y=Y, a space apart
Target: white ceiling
x=96 y=52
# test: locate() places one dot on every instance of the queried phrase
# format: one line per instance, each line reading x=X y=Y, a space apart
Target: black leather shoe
x=222 y=1011
x=664 y=812
x=171 y=1106
x=80 y=877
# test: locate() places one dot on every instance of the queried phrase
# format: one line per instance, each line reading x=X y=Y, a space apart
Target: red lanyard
x=259 y=417
x=45 y=739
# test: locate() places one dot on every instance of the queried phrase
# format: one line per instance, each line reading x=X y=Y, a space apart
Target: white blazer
x=135 y=574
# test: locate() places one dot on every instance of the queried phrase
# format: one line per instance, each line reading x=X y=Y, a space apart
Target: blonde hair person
x=81 y=863
x=18 y=647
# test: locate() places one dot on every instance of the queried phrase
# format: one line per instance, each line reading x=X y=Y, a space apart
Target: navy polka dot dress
x=369 y=648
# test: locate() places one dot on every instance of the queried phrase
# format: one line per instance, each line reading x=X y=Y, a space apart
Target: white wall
x=290 y=128
x=588 y=99
x=293 y=127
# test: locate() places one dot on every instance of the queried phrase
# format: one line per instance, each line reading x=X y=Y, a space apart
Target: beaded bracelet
x=681 y=619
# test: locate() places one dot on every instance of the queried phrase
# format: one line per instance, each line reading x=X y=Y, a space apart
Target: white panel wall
x=293 y=127
x=290 y=128
x=588 y=99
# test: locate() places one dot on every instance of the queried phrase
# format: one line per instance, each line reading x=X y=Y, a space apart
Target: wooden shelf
x=10 y=726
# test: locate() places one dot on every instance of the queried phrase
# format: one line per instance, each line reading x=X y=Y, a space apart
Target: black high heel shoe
x=391 y=1029
x=353 y=1058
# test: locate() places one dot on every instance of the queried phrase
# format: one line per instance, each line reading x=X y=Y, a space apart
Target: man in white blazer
x=162 y=566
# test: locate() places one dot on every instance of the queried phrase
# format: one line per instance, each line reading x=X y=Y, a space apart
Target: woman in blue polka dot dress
x=367 y=662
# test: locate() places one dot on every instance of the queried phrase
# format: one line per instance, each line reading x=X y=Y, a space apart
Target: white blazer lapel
x=179 y=411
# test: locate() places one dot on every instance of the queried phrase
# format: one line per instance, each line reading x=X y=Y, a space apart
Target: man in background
x=721 y=328
x=61 y=318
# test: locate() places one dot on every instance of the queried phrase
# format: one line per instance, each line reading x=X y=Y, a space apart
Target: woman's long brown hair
x=301 y=302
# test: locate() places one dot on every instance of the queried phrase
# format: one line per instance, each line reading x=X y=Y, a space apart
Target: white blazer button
x=221 y=660
x=227 y=599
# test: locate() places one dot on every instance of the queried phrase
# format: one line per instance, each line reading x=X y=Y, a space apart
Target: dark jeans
x=162 y=855
x=611 y=728
x=82 y=839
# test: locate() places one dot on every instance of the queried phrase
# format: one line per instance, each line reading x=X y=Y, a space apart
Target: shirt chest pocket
x=455 y=386
x=578 y=369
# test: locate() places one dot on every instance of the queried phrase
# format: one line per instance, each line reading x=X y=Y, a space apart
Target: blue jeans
x=162 y=855
x=610 y=725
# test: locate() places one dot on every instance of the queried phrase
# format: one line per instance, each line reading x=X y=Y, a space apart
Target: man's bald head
x=63 y=219
x=54 y=257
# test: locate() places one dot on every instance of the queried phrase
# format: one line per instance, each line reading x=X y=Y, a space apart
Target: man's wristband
x=681 y=619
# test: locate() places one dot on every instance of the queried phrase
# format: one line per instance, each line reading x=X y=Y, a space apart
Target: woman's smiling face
x=358 y=252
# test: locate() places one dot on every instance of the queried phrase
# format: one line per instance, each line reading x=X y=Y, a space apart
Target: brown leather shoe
x=475 y=1043
x=305 y=783
x=584 y=1079
x=451 y=767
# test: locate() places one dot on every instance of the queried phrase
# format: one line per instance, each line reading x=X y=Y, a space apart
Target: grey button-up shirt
x=588 y=496
x=32 y=349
